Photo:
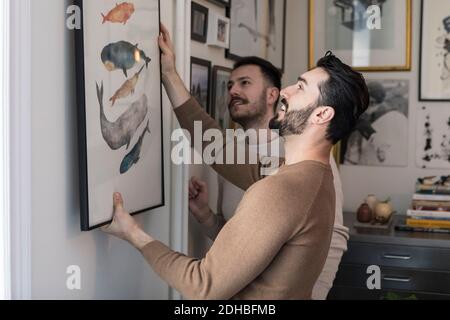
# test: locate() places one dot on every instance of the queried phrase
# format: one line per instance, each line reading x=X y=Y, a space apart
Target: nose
x=286 y=92
x=233 y=91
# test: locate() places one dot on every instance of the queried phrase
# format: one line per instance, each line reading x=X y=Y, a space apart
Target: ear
x=272 y=95
x=323 y=115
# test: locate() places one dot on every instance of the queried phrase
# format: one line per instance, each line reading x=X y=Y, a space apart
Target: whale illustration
x=133 y=157
x=119 y=133
x=122 y=55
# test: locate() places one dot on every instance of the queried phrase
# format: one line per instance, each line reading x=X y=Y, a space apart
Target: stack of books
x=430 y=208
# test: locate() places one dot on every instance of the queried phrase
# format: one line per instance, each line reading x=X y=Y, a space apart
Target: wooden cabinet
x=413 y=265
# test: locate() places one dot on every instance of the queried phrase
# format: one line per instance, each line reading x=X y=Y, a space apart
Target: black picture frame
x=421 y=62
x=234 y=56
x=81 y=75
x=215 y=88
x=195 y=88
x=222 y=3
x=198 y=10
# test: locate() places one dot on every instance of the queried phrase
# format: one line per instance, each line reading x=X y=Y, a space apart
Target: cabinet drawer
x=350 y=293
x=395 y=279
x=397 y=256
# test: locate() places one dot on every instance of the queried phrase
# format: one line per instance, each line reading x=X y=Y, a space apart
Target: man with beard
x=276 y=244
x=254 y=89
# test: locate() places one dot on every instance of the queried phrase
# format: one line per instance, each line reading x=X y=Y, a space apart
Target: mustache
x=237 y=99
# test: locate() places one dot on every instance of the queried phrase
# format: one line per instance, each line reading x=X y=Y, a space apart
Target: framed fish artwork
x=119 y=101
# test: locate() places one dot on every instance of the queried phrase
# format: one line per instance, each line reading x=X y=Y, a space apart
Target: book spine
x=428 y=213
x=430 y=208
x=431 y=197
x=416 y=229
x=428 y=223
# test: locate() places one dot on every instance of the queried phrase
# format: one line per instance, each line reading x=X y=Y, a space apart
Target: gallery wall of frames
x=404 y=55
x=222 y=31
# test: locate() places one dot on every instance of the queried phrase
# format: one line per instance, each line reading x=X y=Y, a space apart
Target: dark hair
x=270 y=72
x=346 y=92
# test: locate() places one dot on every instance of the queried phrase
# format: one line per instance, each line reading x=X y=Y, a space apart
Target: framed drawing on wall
x=258 y=29
x=199 y=22
x=434 y=82
x=381 y=135
x=201 y=81
x=219 y=106
x=433 y=144
x=367 y=35
x=119 y=108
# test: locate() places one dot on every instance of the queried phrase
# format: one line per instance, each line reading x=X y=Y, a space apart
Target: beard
x=294 y=122
x=254 y=112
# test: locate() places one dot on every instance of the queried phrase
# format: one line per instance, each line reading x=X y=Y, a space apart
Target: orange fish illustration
x=120 y=14
x=127 y=88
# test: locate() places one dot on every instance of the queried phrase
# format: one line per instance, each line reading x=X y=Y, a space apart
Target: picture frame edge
x=422 y=18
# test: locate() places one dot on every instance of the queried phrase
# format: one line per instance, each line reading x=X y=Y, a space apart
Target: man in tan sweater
x=251 y=79
x=276 y=244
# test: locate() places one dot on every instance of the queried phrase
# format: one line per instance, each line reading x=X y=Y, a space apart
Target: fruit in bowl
x=383 y=211
x=364 y=214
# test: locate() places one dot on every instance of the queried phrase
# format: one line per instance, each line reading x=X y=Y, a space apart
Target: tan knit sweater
x=275 y=245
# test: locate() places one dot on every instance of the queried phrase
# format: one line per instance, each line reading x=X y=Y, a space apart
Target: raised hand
x=198 y=200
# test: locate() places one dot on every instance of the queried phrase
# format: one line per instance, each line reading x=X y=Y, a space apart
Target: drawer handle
x=395 y=279
x=396 y=257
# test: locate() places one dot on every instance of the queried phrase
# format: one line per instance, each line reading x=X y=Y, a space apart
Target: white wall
x=110 y=268
x=359 y=181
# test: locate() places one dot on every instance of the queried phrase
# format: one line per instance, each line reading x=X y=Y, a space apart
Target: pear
x=383 y=211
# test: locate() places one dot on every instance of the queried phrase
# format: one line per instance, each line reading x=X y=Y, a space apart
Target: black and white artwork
x=369 y=35
x=435 y=51
x=199 y=22
x=433 y=138
x=258 y=29
x=381 y=135
x=119 y=108
x=221 y=76
x=200 y=81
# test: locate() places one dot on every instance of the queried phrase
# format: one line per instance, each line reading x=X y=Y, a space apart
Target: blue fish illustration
x=133 y=157
x=122 y=55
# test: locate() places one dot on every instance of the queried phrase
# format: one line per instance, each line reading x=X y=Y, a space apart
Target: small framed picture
x=200 y=81
x=199 y=22
x=218 y=31
x=434 y=79
x=222 y=3
x=219 y=106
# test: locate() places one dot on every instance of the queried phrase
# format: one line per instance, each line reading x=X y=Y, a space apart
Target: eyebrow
x=301 y=79
x=239 y=79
